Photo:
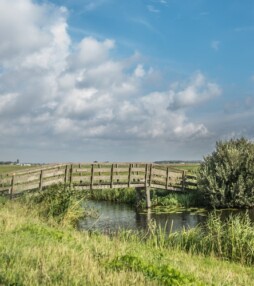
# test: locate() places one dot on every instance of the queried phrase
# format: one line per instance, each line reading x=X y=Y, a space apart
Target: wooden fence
x=98 y=176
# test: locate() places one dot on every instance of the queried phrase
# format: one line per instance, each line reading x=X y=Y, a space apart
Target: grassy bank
x=37 y=248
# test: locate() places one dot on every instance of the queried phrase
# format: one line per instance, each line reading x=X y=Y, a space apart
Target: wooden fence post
x=41 y=179
x=12 y=186
x=71 y=173
x=92 y=175
x=167 y=177
x=151 y=175
x=66 y=175
x=148 y=197
x=146 y=176
x=183 y=180
x=112 y=176
x=129 y=176
x=148 y=189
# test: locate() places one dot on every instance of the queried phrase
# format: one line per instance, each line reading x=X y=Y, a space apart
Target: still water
x=112 y=217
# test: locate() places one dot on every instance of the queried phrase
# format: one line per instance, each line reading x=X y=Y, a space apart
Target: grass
x=187 y=167
x=159 y=197
x=231 y=240
x=38 y=252
x=57 y=202
x=120 y=195
x=176 y=200
x=12 y=168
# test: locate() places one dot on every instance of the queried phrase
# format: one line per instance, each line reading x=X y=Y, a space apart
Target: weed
x=163 y=273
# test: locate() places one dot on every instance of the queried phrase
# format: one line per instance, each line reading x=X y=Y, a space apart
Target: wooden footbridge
x=92 y=176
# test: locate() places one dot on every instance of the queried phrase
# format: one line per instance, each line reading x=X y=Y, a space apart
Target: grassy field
x=38 y=250
x=186 y=167
x=12 y=168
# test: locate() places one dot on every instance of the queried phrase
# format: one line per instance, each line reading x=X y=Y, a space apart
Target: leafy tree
x=226 y=177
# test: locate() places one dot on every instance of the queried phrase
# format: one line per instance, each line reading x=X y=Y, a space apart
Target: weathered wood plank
x=95 y=175
x=191 y=177
x=159 y=179
x=82 y=170
x=107 y=186
x=129 y=176
x=41 y=180
x=157 y=186
x=76 y=179
x=138 y=177
x=5 y=189
x=112 y=176
x=121 y=177
x=26 y=187
x=194 y=184
x=24 y=179
x=92 y=176
x=159 y=172
x=53 y=181
x=167 y=177
x=139 y=169
x=174 y=175
x=151 y=175
x=6 y=180
x=53 y=173
x=34 y=170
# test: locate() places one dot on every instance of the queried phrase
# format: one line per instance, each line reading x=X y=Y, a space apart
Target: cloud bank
x=54 y=90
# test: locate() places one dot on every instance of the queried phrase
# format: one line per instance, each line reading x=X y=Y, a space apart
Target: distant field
x=12 y=168
x=187 y=167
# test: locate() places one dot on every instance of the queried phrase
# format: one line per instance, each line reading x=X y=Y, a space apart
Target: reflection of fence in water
x=98 y=176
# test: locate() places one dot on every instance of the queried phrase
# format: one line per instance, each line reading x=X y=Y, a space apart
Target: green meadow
x=41 y=245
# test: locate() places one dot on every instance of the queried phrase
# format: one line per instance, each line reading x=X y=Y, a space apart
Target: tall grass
x=231 y=240
x=59 y=203
x=159 y=198
x=120 y=195
x=33 y=252
x=176 y=200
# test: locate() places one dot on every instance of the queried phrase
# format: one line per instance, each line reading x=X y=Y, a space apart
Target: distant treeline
x=178 y=162
x=7 y=162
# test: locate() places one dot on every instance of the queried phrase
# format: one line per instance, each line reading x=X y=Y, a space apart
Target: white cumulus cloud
x=54 y=90
x=198 y=90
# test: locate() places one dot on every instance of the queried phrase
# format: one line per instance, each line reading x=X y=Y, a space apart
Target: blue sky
x=124 y=80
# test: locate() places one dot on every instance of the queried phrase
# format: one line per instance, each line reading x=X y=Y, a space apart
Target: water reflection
x=113 y=216
x=169 y=221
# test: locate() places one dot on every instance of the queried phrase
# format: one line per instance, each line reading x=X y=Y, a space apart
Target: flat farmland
x=13 y=168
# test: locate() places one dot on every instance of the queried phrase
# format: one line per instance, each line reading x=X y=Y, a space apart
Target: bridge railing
x=98 y=176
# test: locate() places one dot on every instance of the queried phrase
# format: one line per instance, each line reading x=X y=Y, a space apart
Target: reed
x=231 y=240
x=57 y=202
x=176 y=200
x=120 y=195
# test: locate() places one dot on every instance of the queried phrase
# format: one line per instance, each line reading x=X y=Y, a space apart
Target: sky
x=117 y=80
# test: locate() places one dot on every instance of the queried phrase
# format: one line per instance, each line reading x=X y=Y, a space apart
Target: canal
x=111 y=217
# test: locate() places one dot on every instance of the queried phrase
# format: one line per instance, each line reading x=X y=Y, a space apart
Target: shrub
x=226 y=177
x=59 y=202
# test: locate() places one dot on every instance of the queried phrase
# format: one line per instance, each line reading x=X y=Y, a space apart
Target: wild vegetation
x=158 y=197
x=57 y=202
x=40 y=244
x=120 y=195
x=226 y=177
x=39 y=251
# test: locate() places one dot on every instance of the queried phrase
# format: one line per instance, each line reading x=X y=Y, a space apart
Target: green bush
x=226 y=177
x=59 y=202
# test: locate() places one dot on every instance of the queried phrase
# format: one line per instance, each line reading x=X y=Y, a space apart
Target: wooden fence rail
x=99 y=176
